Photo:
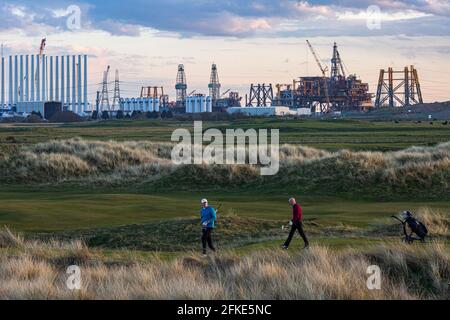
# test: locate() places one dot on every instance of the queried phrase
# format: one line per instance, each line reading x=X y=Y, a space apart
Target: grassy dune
x=424 y=171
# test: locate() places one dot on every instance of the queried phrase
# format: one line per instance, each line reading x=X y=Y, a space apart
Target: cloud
x=233 y=18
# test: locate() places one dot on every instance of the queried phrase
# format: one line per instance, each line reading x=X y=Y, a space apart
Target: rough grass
x=37 y=271
x=424 y=171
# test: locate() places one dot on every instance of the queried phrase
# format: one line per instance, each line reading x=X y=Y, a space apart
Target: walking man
x=296 y=224
x=208 y=216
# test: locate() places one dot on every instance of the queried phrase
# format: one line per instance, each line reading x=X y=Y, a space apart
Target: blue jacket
x=209 y=215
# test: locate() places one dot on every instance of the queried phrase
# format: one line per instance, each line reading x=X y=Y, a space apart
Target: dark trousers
x=296 y=226
x=206 y=238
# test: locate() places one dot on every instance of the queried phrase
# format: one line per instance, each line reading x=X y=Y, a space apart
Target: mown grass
x=67 y=209
x=331 y=134
x=233 y=231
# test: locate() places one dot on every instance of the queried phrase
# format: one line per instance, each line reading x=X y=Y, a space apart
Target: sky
x=256 y=41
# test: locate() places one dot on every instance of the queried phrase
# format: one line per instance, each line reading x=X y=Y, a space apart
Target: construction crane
x=42 y=47
x=324 y=73
x=223 y=94
x=190 y=94
x=316 y=56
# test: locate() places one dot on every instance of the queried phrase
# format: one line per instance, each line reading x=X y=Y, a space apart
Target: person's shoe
x=284 y=247
x=306 y=246
x=204 y=254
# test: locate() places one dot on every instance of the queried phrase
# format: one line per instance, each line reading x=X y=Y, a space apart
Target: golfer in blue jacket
x=208 y=219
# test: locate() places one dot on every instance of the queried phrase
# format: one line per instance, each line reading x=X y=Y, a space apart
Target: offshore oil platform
x=322 y=94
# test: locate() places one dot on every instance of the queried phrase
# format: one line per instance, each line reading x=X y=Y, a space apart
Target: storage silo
x=140 y=102
x=192 y=103
x=156 y=104
x=203 y=104
x=150 y=105
x=188 y=105
x=208 y=104
x=145 y=103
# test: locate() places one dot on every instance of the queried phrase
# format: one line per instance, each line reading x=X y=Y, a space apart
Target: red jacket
x=297 y=215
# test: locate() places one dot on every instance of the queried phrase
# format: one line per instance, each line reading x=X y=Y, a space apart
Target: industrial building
x=262 y=111
x=322 y=94
x=150 y=104
x=224 y=102
x=34 y=80
x=198 y=103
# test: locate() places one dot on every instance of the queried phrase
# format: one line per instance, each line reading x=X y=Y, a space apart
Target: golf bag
x=418 y=231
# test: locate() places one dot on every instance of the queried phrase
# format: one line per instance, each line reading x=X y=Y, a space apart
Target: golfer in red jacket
x=296 y=224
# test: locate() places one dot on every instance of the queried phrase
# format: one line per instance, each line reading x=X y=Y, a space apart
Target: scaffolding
x=398 y=88
x=116 y=99
x=181 y=86
x=261 y=95
x=214 y=85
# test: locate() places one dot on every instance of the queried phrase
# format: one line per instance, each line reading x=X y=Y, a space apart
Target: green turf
x=58 y=211
x=326 y=134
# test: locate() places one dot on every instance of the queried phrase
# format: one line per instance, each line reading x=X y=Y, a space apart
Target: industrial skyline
x=267 y=46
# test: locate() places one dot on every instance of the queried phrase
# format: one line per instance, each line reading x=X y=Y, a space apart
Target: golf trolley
x=418 y=231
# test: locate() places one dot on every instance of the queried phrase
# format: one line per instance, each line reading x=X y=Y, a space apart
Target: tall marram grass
x=35 y=270
x=416 y=169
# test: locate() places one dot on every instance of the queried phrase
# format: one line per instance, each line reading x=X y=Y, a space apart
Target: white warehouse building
x=261 y=111
x=198 y=104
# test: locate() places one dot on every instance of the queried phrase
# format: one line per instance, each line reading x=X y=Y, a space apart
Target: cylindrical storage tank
x=156 y=104
x=187 y=107
x=208 y=104
x=193 y=102
x=151 y=104
x=145 y=104
x=140 y=103
x=127 y=105
x=192 y=105
x=196 y=104
x=203 y=104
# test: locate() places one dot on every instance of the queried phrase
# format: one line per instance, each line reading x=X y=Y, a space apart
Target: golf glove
x=205 y=224
x=291 y=223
